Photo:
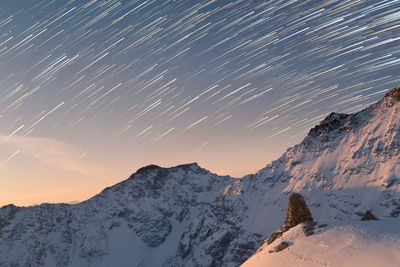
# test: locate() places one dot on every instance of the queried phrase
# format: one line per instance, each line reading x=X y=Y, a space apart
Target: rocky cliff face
x=137 y=222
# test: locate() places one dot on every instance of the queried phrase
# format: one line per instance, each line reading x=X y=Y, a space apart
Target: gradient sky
x=92 y=90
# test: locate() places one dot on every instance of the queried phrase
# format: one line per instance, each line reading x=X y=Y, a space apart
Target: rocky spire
x=297 y=212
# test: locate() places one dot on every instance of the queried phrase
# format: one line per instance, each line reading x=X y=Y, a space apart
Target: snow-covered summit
x=347 y=164
x=137 y=222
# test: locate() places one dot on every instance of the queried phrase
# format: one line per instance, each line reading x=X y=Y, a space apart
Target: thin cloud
x=50 y=152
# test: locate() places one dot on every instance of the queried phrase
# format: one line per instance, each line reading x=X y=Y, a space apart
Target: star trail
x=170 y=82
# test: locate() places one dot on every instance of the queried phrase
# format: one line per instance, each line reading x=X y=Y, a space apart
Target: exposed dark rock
x=368 y=216
x=334 y=121
x=9 y=212
x=273 y=237
x=395 y=212
x=188 y=166
x=390 y=182
x=221 y=245
x=284 y=228
x=308 y=227
x=394 y=93
x=298 y=211
x=148 y=168
x=269 y=240
x=280 y=247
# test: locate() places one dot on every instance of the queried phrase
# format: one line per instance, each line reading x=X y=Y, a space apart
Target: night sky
x=92 y=90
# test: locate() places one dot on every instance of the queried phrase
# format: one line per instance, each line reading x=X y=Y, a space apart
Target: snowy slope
x=343 y=244
x=346 y=165
x=187 y=216
x=137 y=222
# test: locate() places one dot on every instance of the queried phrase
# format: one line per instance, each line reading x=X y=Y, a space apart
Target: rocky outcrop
x=394 y=94
x=297 y=212
x=368 y=216
x=280 y=247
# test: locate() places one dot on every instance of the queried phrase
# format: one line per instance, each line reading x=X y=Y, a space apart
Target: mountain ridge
x=346 y=165
x=149 y=210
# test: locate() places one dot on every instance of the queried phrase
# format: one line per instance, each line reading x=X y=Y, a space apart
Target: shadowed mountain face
x=187 y=216
x=139 y=221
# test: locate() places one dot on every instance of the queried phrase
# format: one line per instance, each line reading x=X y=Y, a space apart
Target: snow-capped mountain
x=187 y=216
x=137 y=222
x=346 y=165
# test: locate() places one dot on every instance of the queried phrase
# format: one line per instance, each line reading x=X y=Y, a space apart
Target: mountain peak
x=188 y=166
x=298 y=211
x=391 y=98
x=153 y=167
x=148 y=168
x=147 y=212
x=394 y=94
x=334 y=121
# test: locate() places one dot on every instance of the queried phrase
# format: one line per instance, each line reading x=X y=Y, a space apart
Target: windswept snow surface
x=341 y=244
